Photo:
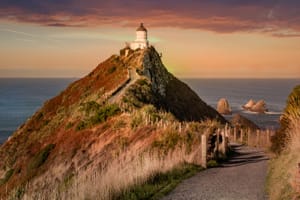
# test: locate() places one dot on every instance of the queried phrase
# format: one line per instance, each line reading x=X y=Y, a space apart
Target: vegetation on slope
x=83 y=134
x=291 y=111
x=284 y=168
x=160 y=184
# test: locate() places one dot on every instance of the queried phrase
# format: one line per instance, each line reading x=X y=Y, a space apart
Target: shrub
x=105 y=112
x=152 y=112
x=169 y=141
x=81 y=125
x=212 y=163
x=112 y=69
x=40 y=157
x=139 y=94
x=90 y=107
x=136 y=120
x=69 y=125
x=101 y=114
x=119 y=124
x=7 y=176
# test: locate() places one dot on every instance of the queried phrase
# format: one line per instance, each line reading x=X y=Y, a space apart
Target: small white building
x=141 y=41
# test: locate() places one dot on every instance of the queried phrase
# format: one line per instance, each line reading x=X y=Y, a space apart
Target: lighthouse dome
x=141 y=28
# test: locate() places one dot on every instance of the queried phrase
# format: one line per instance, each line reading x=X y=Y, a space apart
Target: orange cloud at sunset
x=198 y=39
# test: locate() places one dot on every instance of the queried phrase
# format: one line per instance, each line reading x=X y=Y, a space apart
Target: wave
x=273 y=113
x=266 y=113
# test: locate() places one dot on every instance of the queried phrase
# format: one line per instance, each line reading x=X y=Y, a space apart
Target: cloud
x=222 y=16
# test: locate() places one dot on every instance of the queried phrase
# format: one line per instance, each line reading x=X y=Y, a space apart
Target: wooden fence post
x=249 y=136
x=234 y=134
x=268 y=138
x=223 y=142
x=218 y=143
x=257 y=138
x=242 y=135
x=203 y=150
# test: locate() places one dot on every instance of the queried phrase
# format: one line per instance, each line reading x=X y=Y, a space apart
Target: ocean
x=21 y=97
x=239 y=91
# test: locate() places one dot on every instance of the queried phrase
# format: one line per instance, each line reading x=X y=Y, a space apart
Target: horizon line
x=184 y=77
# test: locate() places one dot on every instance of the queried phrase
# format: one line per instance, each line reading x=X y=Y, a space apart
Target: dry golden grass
x=283 y=169
x=122 y=173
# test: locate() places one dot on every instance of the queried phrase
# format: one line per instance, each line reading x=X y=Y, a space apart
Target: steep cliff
x=115 y=107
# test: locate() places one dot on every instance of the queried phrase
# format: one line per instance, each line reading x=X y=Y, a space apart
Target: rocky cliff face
x=95 y=117
x=171 y=94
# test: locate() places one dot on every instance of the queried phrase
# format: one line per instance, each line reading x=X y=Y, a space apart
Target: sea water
x=239 y=91
x=20 y=98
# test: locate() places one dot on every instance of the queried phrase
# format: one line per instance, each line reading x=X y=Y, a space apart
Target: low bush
x=7 y=176
x=81 y=125
x=104 y=113
x=136 y=120
x=169 y=141
x=138 y=94
x=40 y=158
x=112 y=70
x=101 y=114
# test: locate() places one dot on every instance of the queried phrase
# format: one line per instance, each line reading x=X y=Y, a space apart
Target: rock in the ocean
x=223 y=107
x=259 y=107
x=249 y=104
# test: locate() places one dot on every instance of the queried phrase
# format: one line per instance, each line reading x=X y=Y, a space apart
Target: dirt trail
x=241 y=178
x=133 y=76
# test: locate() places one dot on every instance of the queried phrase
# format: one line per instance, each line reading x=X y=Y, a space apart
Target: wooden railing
x=255 y=138
x=224 y=137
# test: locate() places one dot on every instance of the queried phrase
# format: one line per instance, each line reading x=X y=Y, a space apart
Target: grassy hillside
x=284 y=168
x=115 y=129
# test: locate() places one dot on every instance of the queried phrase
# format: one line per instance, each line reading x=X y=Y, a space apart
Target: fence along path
x=241 y=177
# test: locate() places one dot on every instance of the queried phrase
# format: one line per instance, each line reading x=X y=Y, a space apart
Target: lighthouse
x=141 y=41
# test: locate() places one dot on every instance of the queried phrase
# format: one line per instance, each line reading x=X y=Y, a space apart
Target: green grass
x=100 y=114
x=111 y=70
x=169 y=141
x=160 y=184
x=40 y=158
x=7 y=176
x=212 y=164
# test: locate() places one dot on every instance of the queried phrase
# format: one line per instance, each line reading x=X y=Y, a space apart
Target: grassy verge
x=160 y=184
x=282 y=169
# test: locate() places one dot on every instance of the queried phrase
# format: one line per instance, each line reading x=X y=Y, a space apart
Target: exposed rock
x=87 y=122
x=240 y=121
x=259 y=107
x=223 y=107
x=249 y=104
x=171 y=94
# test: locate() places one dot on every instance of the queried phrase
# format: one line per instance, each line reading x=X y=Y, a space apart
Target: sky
x=197 y=39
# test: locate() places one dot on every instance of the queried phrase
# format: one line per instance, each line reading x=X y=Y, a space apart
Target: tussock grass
x=283 y=169
x=128 y=176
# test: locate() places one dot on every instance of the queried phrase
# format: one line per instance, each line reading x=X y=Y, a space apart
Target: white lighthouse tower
x=141 y=41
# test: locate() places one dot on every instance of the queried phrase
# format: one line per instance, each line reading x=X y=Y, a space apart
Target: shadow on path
x=242 y=177
x=243 y=155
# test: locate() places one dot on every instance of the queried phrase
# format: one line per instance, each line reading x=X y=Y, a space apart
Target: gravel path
x=241 y=178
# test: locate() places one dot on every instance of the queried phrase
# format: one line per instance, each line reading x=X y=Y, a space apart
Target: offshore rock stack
x=223 y=107
x=259 y=106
